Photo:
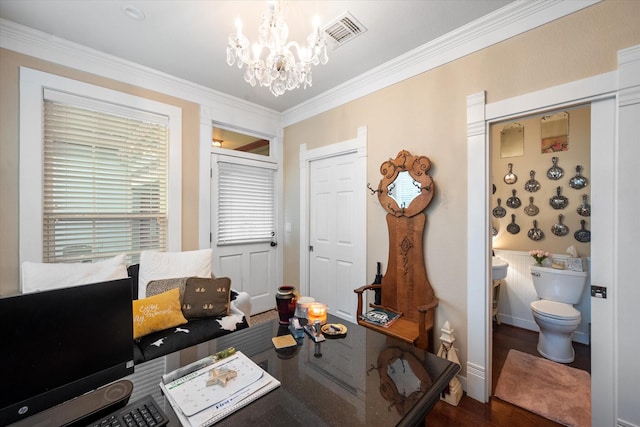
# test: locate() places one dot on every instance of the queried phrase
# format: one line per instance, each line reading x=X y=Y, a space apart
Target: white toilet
x=554 y=313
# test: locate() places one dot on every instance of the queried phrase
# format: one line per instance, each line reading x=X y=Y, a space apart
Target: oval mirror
x=404 y=189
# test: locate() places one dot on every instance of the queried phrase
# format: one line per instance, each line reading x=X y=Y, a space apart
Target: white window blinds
x=246 y=204
x=105 y=180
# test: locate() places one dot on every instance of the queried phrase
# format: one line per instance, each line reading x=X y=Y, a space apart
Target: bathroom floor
x=470 y=412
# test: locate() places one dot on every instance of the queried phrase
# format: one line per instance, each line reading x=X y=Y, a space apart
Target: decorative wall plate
x=583 y=235
x=532 y=185
x=578 y=181
x=499 y=211
x=584 y=209
x=510 y=177
x=513 y=202
x=535 y=233
x=559 y=229
x=531 y=209
x=513 y=228
x=558 y=201
x=555 y=172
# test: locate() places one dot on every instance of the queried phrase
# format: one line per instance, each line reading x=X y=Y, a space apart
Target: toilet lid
x=556 y=310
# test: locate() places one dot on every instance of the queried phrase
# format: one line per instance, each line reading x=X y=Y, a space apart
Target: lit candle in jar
x=317 y=311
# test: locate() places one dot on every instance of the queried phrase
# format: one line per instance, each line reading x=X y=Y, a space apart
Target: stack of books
x=205 y=396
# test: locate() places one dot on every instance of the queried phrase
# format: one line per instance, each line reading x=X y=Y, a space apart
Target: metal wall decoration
x=531 y=209
x=513 y=228
x=584 y=209
x=559 y=229
x=513 y=202
x=555 y=172
x=558 y=201
x=499 y=211
x=578 y=182
x=535 y=233
x=583 y=235
x=510 y=177
x=554 y=138
x=532 y=185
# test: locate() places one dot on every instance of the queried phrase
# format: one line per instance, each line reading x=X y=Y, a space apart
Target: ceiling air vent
x=343 y=29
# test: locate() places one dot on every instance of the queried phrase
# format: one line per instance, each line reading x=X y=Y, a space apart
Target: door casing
x=600 y=92
x=356 y=145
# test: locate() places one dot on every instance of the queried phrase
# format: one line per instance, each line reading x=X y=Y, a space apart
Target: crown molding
x=28 y=41
x=509 y=21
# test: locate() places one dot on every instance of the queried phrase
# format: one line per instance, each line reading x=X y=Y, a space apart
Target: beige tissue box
x=575 y=264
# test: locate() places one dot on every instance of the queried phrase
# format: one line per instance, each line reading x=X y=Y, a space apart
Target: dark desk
x=340 y=388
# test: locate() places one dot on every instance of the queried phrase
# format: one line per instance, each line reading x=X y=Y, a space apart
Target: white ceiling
x=187 y=39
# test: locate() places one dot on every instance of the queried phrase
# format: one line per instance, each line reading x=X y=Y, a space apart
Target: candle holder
x=302 y=307
x=317 y=312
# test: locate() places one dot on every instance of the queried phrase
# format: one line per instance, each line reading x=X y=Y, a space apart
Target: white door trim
x=479 y=118
x=357 y=145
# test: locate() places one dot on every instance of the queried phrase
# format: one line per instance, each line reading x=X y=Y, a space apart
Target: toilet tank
x=558 y=285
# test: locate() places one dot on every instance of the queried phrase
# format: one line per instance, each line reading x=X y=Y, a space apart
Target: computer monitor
x=62 y=343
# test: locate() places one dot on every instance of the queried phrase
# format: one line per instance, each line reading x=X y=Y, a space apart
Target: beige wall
x=9 y=148
x=427 y=116
x=532 y=159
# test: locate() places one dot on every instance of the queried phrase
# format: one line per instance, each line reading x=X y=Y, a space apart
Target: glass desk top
x=336 y=382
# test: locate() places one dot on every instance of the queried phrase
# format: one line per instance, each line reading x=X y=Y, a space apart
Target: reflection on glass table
x=334 y=382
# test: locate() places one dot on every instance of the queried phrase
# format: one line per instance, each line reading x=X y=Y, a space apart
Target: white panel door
x=252 y=267
x=334 y=245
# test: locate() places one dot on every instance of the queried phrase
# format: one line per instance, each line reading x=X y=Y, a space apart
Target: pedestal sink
x=499 y=268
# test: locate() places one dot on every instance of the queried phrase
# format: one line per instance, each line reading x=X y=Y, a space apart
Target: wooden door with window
x=243 y=224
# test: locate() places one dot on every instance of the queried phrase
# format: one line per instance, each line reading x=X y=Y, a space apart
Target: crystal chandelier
x=273 y=62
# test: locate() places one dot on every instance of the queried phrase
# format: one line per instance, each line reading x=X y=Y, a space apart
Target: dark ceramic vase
x=285 y=303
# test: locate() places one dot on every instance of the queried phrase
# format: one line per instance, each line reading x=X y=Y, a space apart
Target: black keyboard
x=141 y=413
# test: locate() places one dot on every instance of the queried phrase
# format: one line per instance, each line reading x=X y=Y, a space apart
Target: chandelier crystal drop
x=273 y=62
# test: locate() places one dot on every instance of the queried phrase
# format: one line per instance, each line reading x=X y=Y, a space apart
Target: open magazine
x=204 y=397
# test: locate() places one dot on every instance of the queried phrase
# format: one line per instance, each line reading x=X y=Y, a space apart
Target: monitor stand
x=83 y=409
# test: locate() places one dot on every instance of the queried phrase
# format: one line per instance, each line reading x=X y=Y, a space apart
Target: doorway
x=600 y=91
x=525 y=178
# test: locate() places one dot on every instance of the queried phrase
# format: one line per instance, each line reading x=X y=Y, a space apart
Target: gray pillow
x=156 y=287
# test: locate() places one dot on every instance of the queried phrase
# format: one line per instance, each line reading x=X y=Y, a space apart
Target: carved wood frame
x=418 y=168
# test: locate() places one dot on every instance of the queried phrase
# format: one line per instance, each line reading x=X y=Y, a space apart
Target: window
x=246 y=203
x=100 y=176
x=105 y=180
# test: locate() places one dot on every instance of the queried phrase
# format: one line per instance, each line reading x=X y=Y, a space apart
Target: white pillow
x=172 y=265
x=38 y=276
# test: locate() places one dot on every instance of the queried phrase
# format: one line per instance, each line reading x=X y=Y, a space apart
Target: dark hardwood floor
x=470 y=412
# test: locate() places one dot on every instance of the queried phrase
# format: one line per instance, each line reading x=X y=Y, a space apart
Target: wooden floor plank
x=470 y=412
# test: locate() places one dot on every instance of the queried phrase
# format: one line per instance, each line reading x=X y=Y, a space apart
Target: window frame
x=31 y=128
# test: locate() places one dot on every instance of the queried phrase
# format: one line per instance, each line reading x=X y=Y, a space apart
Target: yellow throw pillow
x=156 y=313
